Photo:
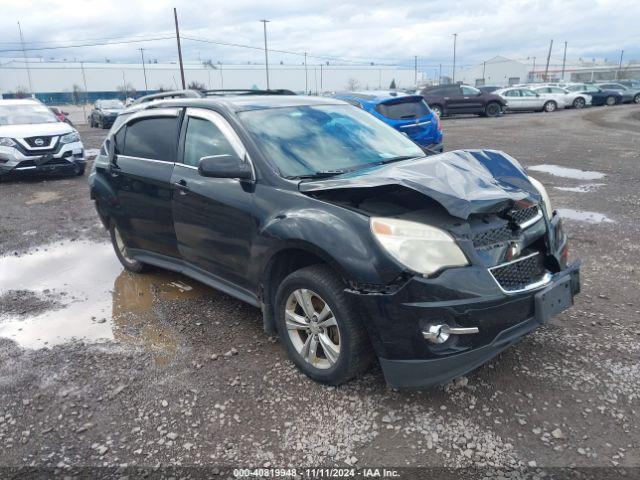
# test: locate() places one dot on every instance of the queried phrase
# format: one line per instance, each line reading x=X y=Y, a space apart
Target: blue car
x=408 y=114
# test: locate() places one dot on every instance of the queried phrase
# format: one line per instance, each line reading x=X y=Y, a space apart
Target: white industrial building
x=53 y=76
x=499 y=71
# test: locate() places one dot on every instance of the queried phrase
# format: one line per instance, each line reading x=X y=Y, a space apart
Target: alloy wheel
x=579 y=102
x=549 y=107
x=312 y=328
x=611 y=101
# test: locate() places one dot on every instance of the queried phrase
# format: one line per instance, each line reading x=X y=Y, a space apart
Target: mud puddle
x=583 y=216
x=92 y=298
x=565 y=172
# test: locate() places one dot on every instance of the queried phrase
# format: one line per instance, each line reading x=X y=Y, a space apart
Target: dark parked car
x=489 y=88
x=104 y=113
x=455 y=99
x=352 y=243
x=599 y=96
x=629 y=94
x=408 y=114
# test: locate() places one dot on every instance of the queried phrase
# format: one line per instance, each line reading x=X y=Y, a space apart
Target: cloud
x=379 y=31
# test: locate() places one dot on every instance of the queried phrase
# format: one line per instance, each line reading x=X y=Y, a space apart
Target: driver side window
x=204 y=139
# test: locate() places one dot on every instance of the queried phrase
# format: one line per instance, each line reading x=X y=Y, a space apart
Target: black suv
x=456 y=99
x=352 y=243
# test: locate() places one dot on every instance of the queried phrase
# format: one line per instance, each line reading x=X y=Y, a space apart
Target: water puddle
x=95 y=298
x=585 y=188
x=582 y=216
x=566 y=172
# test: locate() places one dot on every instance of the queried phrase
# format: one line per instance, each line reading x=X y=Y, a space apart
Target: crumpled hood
x=462 y=181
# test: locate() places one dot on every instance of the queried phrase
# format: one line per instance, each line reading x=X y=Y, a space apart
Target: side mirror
x=111 y=150
x=225 y=166
x=65 y=113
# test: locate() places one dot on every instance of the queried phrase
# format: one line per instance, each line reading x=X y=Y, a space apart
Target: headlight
x=6 y=142
x=422 y=248
x=70 y=137
x=546 y=201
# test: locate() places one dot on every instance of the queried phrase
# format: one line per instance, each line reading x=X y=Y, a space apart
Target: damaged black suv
x=353 y=244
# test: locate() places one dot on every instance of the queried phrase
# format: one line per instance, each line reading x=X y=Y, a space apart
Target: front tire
x=320 y=327
x=492 y=109
x=610 y=101
x=636 y=99
x=579 y=102
x=550 y=106
x=121 y=252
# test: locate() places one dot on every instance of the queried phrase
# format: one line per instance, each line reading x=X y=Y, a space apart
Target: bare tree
x=22 y=92
x=77 y=94
x=392 y=86
x=194 y=85
x=126 y=91
x=161 y=88
x=353 y=84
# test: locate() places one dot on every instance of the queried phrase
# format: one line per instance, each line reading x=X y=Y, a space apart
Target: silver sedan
x=520 y=98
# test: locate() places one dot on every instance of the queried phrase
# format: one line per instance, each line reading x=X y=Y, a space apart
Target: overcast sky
x=381 y=31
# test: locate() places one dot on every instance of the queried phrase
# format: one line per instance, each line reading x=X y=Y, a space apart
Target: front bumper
x=408 y=360
x=68 y=159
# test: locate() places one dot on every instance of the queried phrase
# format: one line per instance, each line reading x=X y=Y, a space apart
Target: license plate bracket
x=554 y=299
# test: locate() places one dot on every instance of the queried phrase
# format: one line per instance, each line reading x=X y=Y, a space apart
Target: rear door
x=213 y=217
x=146 y=152
x=514 y=99
x=454 y=100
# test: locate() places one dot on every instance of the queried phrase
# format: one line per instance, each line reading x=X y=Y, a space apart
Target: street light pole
x=455 y=39
x=306 y=81
x=620 y=65
x=266 y=54
x=144 y=70
x=415 y=70
x=564 y=60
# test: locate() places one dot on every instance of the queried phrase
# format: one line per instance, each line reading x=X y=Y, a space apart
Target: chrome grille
x=526 y=216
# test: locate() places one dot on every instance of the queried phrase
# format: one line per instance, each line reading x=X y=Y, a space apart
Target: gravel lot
x=99 y=367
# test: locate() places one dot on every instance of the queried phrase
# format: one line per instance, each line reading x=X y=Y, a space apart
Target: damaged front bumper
x=401 y=325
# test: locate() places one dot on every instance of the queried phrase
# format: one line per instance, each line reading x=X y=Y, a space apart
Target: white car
x=522 y=98
x=561 y=95
x=33 y=140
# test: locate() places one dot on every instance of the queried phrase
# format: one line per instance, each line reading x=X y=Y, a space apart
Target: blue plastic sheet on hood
x=462 y=181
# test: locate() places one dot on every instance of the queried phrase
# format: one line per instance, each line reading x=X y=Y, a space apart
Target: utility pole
x=546 y=68
x=484 y=66
x=124 y=86
x=175 y=16
x=84 y=81
x=26 y=62
x=321 y=90
x=415 y=69
x=306 y=87
x=221 y=77
x=455 y=38
x=620 y=65
x=266 y=51
x=440 y=75
x=564 y=60
x=144 y=70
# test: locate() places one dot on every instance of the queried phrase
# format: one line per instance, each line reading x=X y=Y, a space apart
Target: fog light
x=440 y=333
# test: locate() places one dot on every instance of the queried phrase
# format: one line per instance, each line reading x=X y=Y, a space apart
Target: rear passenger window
x=204 y=139
x=152 y=138
x=404 y=110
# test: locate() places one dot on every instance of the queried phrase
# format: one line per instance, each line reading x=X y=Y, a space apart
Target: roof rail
x=238 y=91
x=168 y=94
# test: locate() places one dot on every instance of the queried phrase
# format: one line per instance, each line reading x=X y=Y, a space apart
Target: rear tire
x=636 y=99
x=610 y=101
x=579 y=102
x=325 y=339
x=492 y=109
x=550 y=106
x=121 y=252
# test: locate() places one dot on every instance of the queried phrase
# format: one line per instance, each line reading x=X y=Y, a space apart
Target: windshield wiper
x=321 y=174
x=396 y=159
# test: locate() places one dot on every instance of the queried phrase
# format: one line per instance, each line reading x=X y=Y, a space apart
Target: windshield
x=25 y=114
x=114 y=104
x=306 y=140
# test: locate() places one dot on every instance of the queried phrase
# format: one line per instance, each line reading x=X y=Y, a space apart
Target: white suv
x=33 y=140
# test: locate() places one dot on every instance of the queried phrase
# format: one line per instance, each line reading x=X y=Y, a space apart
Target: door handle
x=181 y=186
x=114 y=169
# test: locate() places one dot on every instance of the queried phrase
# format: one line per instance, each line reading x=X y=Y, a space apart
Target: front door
x=141 y=176
x=213 y=217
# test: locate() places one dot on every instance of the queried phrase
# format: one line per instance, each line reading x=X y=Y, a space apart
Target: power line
x=97 y=44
